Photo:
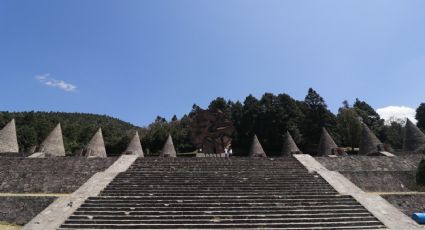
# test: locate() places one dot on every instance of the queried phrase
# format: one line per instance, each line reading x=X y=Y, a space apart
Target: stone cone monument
x=96 y=146
x=414 y=138
x=168 y=150
x=53 y=144
x=135 y=147
x=327 y=145
x=369 y=143
x=256 y=149
x=289 y=146
x=8 y=139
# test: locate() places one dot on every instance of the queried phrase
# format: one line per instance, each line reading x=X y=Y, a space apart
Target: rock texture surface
x=168 y=150
x=220 y=193
x=256 y=149
x=289 y=146
x=135 y=147
x=369 y=143
x=8 y=139
x=96 y=146
x=407 y=203
x=20 y=210
x=53 y=144
x=56 y=213
x=327 y=145
x=48 y=175
x=378 y=173
x=414 y=138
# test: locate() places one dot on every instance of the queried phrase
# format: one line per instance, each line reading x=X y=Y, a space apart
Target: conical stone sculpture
x=289 y=146
x=135 y=147
x=327 y=145
x=8 y=139
x=256 y=149
x=53 y=144
x=414 y=138
x=96 y=146
x=168 y=150
x=369 y=143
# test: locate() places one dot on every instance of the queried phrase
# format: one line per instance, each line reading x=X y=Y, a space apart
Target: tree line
x=269 y=117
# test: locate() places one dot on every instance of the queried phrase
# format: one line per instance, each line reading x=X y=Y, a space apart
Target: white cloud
x=397 y=112
x=47 y=80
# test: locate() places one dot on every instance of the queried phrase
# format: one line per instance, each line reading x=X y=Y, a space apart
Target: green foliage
x=370 y=117
x=269 y=117
x=420 y=116
x=316 y=116
x=154 y=136
x=420 y=173
x=394 y=134
x=349 y=126
x=77 y=128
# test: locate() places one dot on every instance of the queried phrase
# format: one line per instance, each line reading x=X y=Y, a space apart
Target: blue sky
x=137 y=59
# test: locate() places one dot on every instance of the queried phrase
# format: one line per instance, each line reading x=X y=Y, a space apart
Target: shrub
x=420 y=173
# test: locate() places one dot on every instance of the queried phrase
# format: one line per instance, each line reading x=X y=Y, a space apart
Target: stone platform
x=167 y=193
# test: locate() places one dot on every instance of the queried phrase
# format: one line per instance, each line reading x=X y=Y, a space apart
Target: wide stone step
x=243 y=216
x=236 y=187
x=185 y=193
x=219 y=204
x=131 y=200
x=314 y=225
x=219 y=196
x=223 y=221
x=219 y=208
x=222 y=212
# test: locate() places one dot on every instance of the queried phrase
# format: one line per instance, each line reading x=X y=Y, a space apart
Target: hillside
x=33 y=127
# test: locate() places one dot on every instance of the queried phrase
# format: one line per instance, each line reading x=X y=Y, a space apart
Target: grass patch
x=9 y=226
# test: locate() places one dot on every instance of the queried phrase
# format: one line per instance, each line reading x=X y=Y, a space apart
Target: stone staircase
x=217 y=193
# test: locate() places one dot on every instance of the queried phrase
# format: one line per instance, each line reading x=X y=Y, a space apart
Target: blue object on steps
x=419 y=217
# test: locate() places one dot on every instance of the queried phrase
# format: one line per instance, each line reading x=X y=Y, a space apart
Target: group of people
x=228 y=152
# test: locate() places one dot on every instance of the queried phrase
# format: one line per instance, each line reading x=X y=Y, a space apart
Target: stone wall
x=378 y=173
x=20 y=210
x=48 y=175
x=371 y=163
x=408 y=204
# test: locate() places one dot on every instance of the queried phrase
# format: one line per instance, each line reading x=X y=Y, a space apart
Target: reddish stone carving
x=211 y=131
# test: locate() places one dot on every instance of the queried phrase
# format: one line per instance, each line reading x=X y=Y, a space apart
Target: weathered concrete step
x=129 y=200
x=219 y=196
x=139 y=192
x=218 y=188
x=222 y=184
x=225 y=221
x=220 y=180
x=227 y=212
x=244 y=216
x=216 y=204
x=185 y=193
x=236 y=183
x=215 y=176
x=359 y=224
x=272 y=228
x=218 y=208
x=206 y=170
